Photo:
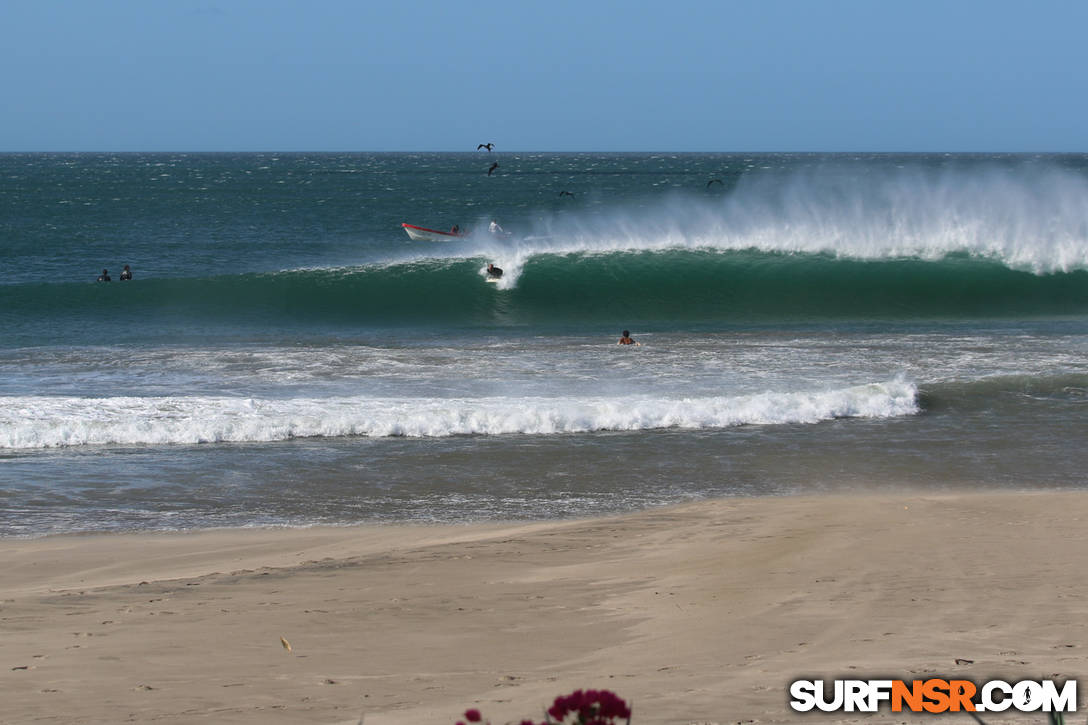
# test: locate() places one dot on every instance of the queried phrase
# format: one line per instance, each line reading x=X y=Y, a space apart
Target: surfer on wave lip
x=493 y=271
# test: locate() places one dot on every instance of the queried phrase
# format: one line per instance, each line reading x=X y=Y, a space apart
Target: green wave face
x=575 y=289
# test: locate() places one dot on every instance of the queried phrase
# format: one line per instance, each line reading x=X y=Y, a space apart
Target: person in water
x=494 y=227
x=126 y=274
x=493 y=271
x=627 y=339
x=455 y=230
x=105 y=276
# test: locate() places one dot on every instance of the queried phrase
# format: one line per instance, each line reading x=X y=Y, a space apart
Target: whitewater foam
x=46 y=422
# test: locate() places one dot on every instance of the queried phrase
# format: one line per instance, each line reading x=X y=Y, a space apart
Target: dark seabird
x=712 y=181
x=565 y=193
x=487 y=146
x=493 y=167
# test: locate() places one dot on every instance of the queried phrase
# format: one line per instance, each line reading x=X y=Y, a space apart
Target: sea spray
x=1031 y=217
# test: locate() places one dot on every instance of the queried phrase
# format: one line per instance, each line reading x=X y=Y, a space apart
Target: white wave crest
x=1032 y=217
x=48 y=422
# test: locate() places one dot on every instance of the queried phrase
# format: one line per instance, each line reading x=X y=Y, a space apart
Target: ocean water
x=286 y=355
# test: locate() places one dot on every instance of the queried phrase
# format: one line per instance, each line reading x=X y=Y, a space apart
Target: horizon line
x=531 y=151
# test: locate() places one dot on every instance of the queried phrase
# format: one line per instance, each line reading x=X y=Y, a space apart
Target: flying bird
x=493 y=167
x=712 y=181
x=565 y=193
x=487 y=146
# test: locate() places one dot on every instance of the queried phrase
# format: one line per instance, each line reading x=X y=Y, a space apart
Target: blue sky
x=404 y=75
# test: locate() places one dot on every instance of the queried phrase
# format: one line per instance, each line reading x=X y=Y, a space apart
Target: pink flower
x=473 y=715
x=593 y=707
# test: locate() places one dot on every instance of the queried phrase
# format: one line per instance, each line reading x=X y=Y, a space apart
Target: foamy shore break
x=701 y=613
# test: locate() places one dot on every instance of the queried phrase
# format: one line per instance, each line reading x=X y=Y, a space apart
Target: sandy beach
x=701 y=613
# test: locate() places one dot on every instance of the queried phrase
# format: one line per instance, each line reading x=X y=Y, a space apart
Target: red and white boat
x=424 y=234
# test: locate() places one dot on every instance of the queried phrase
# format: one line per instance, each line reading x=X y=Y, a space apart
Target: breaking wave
x=46 y=422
